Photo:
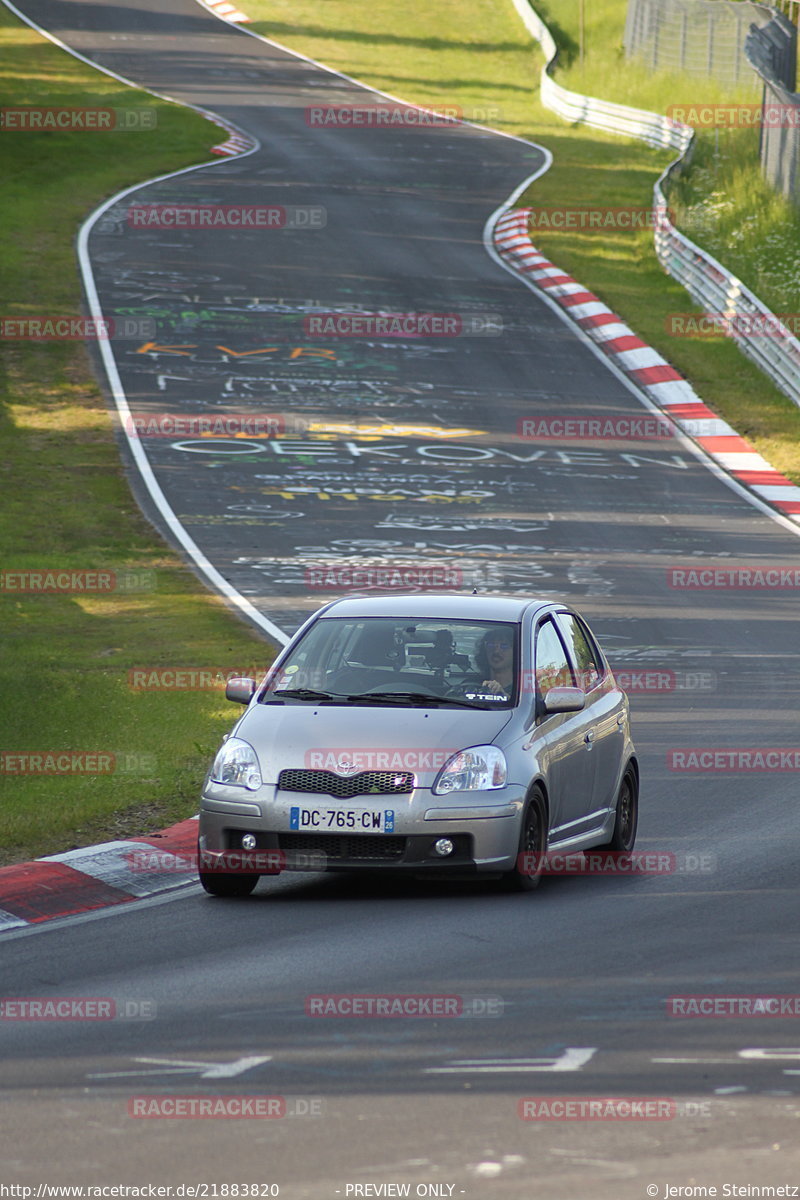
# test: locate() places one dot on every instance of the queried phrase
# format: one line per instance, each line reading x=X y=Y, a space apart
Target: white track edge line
x=217 y=582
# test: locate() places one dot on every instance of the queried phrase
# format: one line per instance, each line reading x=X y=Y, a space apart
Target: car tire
x=220 y=884
x=532 y=840
x=627 y=818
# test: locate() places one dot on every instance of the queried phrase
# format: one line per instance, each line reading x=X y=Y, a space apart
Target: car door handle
x=589 y=737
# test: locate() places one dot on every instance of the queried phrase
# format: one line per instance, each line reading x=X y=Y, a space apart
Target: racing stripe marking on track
x=226 y=10
x=39 y=891
x=81 y=881
x=645 y=367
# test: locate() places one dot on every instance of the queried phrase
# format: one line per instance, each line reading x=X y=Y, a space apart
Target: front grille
x=345 y=846
x=367 y=783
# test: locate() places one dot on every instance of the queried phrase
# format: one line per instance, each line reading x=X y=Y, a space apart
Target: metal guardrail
x=758 y=333
x=706 y=280
x=650 y=127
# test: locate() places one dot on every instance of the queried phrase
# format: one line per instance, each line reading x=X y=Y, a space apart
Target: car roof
x=452 y=606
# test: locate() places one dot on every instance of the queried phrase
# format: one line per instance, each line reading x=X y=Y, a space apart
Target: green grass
x=725 y=205
x=476 y=54
x=66 y=503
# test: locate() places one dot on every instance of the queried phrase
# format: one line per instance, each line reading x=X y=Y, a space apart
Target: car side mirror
x=240 y=689
x=563 y=700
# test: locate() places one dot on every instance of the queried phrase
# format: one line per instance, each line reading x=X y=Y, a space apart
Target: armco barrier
x=706 y=280
x=650 y=127
x=717 y=291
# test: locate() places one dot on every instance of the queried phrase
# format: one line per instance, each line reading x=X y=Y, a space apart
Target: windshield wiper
x=411 y=698
x=307 y=694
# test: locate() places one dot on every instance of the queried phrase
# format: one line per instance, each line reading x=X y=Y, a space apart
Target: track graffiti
x=501 y=573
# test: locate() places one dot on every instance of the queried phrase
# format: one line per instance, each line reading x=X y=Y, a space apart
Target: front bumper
x=484 y=829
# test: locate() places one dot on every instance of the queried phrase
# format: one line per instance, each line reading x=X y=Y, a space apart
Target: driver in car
x=495 y=660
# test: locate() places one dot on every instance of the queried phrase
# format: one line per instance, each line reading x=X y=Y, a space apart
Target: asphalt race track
x=576 y=978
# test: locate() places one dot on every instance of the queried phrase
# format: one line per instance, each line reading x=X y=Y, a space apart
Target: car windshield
x=400 y=660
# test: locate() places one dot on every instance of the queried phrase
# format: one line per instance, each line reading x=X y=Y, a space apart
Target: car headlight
x=237 y=764
x=478 y=769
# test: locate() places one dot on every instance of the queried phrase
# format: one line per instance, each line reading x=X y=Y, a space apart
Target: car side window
x=584 y=655
x=550 y=659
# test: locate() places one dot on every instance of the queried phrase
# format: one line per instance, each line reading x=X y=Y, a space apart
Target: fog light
x=443 y=847
x=249 y=842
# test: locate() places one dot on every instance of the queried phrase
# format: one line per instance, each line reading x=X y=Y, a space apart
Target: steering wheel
x=469 y=682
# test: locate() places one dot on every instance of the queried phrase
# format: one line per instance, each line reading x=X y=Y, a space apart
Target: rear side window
x=584 y=654
x=552 y=665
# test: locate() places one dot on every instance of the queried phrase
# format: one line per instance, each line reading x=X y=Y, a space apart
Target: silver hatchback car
x=427 y=734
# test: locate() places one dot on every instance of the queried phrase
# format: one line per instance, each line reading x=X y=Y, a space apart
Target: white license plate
x=342 y=820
